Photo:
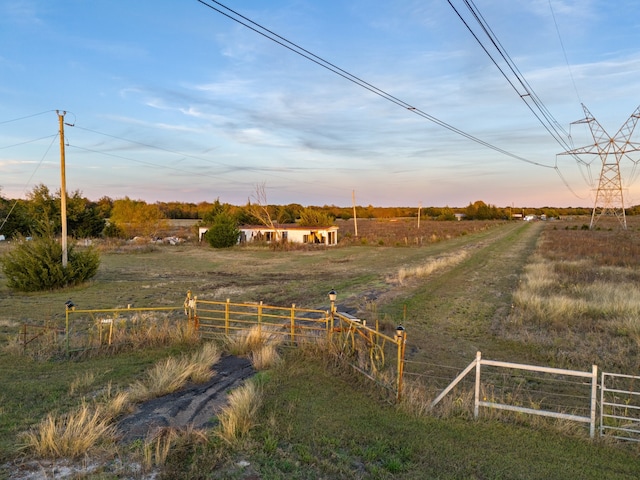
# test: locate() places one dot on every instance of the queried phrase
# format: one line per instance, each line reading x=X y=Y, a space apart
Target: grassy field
x=318 y=420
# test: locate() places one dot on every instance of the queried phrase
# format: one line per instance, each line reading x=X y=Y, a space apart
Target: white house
x=289 y=232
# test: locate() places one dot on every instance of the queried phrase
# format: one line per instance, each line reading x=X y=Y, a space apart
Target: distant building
x=289 y=232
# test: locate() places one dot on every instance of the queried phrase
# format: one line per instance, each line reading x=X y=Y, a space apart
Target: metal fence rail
x=216 y=319
x=497 y=390
x=92 y=328
x=620 y=406
x=373 y=353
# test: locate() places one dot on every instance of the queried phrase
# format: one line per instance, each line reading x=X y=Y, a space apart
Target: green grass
x=317 y=425
x=32 y=389
x=316 y=422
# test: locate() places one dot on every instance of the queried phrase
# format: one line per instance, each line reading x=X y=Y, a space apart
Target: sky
x=171 y=100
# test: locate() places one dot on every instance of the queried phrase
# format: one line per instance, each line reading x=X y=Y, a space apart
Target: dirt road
x=450 y=315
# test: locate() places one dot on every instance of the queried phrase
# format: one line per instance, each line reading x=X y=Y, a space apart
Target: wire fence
x=379 y=355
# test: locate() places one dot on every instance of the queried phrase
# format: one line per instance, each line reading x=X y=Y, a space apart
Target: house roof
x=286 y=226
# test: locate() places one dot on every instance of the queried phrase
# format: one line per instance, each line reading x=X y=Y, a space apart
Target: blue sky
x=171 y=100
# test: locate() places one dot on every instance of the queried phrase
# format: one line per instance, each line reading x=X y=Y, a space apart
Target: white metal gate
x=620 y=406
x=588 y=397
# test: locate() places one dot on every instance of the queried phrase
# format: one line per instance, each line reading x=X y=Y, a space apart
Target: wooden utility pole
x=63 y=191
x=355 y=219
x=419 y=208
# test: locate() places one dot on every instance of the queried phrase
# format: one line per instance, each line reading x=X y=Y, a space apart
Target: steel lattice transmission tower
x=609 y=197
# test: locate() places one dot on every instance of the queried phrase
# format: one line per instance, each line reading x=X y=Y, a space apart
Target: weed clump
x=239 y=416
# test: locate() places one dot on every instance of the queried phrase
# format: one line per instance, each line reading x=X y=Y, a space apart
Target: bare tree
x=259 y=209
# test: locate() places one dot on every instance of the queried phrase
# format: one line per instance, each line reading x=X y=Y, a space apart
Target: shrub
x=37 y=265
x=223 y=233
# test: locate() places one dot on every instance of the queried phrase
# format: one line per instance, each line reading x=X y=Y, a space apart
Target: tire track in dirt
x=195 y=405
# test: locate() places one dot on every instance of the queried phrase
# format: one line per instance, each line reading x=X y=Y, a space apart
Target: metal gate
x=620 y=406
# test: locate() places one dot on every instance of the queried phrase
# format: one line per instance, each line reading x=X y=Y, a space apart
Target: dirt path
x=450 y=314
x=196 y=405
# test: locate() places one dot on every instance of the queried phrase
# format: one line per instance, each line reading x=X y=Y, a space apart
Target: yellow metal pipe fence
x=376 y=354
x=106 y=327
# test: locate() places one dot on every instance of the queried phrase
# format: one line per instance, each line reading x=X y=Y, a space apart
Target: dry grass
x=259 y=343
x=76 y=433
x=71 y=435
x=173 y=373
x=579 y=299
x=149 y=329
x=82 y=382
x=265 y=358
x=156 y=448
x=430 y=267
x=240 y=415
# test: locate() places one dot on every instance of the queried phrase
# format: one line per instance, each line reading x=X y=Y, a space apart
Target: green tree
x=83 y=217
x=446 y=214
x=14 y=219
x=224 y=232
x=136 y=217
x=310 y=217
x=43 y=210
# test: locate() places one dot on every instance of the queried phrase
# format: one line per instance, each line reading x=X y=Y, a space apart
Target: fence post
x=260 y=319
x=293 y=323
x=66 y=328
x=196 y=320
x=594 y=394
x=602 y=388
x=476 y=407
x=226 y=317
x=401 y=338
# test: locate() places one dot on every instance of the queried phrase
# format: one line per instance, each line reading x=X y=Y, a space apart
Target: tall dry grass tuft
x=240 y=415
x=71 y=435
x=259 y=343
x=431 y=266
x=265 y=358
x=157 y=447
x=246 y=341
x=82 y=382
x=152 y=329
x=416 y=399
x=171 y=374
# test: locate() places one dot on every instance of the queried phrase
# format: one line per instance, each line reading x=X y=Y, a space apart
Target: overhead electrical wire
x=28 y=141
x=526 y=92
x=25 y=117
x=6 y=218
x=564 y=52
x=229 y=167
x=274 y=37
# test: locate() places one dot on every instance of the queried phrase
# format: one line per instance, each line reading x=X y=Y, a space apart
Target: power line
x=29 y=180
x=564 y=52
x=27 y=142
x=526 y=92
x=25 y=117
x=195 y=173
x=274 y=37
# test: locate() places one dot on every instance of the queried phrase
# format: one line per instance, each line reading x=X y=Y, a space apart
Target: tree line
x=126 y=217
